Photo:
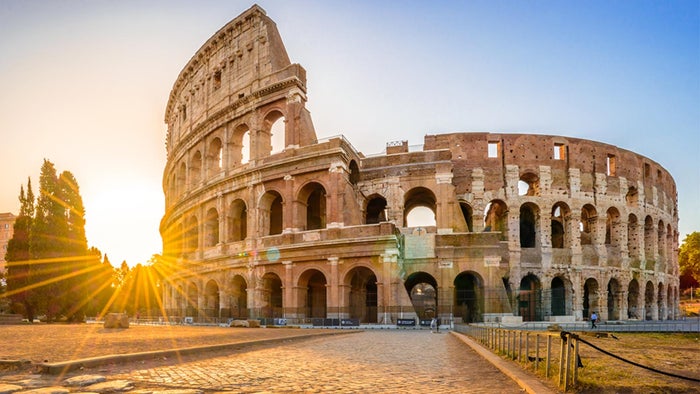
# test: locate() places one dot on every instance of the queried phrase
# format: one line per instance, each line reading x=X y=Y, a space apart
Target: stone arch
x=661 y=301
x=613 y=227
x=467 y=214
x=633 y=241
x=419 y=197
x=271 y=304
x=591 y=301
x=561 y=236
x=615 y=295
x=530 y=298
x=587 y=226
x=669 y=247
x=312 y=286
x=561 y=296
x=648 y=239
x=529 y=225
x=422 y=288
x=191 y=234
x=275 y=127
x=312 y=212
x=239 y=297
x=195 y=170
x=211 y=299
x=529 y=185
x=670 y=303
x=633 y=300
x=375 y=210
x=632 y=197
x=241 y=144
x=496 y=217
x=362 y=285
x=271 y=213
x=468 y=297
x=211 y=228
x=649 y=303
x=661 y=240
x=182 y=179
x=237 y=221
x=215 y=156
x=354 y=176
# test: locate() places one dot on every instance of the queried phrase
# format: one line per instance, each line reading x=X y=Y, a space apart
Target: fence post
x=568 y=361
x=562 y=349
x=549 y=356
x=576 y=358
x=537 y=352
x=527 y=347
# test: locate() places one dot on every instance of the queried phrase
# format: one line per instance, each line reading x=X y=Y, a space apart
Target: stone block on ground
x=253 y=323
x=84 y=380
x=116 y=320
x=239 y=323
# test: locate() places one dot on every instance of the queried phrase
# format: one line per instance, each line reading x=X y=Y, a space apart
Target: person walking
x=594 y=319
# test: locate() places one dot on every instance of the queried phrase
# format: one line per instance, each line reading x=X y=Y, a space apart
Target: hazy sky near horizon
x=85 y=84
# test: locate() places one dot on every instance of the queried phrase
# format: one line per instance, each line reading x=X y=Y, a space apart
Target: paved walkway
x=370 y=361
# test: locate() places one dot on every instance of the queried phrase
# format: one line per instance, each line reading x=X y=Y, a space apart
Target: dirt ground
x=63 y=342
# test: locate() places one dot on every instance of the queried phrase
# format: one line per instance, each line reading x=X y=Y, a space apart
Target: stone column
x=288 y=301
x=332 y=292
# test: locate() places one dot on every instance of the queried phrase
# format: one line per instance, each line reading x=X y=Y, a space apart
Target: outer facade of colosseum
x=265 y=220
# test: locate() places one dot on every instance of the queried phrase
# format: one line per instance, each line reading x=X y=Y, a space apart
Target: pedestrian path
x=370 y=361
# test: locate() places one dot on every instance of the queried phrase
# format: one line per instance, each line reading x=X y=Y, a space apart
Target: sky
x=84 y=84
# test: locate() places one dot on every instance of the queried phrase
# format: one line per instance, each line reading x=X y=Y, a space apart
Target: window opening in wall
x=468 y=215
x=610 y=164
x=420 y=217
x=375 y=211
x=493 y=149
x=658 y=175
x=217 y=80
x=277 y=136
x=245 y=148
x=184 y=112
x=647 y=170
x=523 y=188
x=221 y=158
x=559 y=151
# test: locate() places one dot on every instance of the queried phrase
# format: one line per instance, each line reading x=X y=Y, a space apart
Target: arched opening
x=376 y=210
x=528 y=185
x=661 y=241
x=313 y=196
x=196 y=168
x=670 y=308
x=468 y=215
x=192 y=297
x=632 y=197
x=363 y=294
x=587 y=224
x=468 y=297
x=419 y=208
x=560 y=214
x=423 y=290
x=239 y=298
x=215 y=158
x=354 y=173
x=633 y=241
x=211 y=300
x=530 y=298
x=271 y=213
x=649 y=301
x=277 y=136
x=212 y=228
x=633 y=300
x=614 y=299
x=590 y=297
x=612 y=228
x=558 y=304
x=314 y=283
x=649 y=242
x=528 y=225
x=191 y=234
x=182 y=179
x=271 y=305
x=496 y=218
x=238 y=221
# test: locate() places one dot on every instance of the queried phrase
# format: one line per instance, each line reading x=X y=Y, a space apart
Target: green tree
x=689 y=260
x=18 y=257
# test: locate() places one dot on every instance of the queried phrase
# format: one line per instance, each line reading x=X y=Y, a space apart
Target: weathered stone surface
x=239 y=323
x=84 y=380
x=48 y=390
x=9 y=388
x=253 y=323
x=114 y=386
x=116 y=320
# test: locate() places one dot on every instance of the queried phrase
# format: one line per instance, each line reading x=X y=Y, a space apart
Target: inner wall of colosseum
x=265 y=220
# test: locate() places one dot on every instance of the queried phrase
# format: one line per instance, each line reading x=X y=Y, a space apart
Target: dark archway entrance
x=558 y=297
x=468 y=297
x=530 y=298
x=363 y=294
x=423 y=290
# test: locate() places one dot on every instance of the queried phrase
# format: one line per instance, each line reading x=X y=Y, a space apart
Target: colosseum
x=264 y=220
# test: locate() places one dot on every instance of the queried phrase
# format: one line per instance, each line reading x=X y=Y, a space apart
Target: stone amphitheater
x=264 y=220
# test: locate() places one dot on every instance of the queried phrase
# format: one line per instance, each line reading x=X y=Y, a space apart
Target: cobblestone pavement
x=370 y=361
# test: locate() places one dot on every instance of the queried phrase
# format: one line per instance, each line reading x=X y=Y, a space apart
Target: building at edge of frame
x=264 y=220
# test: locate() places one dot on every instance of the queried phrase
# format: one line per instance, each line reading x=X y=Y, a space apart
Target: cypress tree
x=18 y=257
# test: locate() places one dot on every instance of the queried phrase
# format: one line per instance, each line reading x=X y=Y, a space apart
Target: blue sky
x=85 y=84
